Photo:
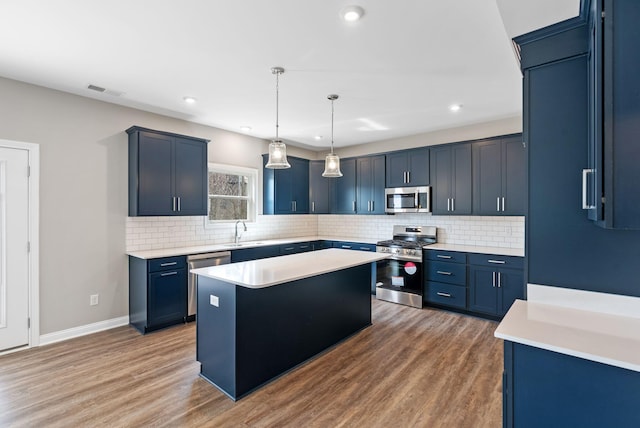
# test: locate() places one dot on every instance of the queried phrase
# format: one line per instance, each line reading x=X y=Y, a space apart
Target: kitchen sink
x=241 y=244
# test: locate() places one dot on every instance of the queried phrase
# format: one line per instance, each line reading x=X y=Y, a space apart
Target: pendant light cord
x=277 y=73
x=332 y=126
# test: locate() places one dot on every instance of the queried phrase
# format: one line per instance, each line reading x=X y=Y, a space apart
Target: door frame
x=33 y=151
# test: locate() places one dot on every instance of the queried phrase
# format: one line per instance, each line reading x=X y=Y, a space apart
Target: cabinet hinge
x=28 y=170
x=602 y=14
x=28 y=322
x=524 y=144
x=28 y=246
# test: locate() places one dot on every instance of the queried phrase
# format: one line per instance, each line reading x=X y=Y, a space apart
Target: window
x=232 y=193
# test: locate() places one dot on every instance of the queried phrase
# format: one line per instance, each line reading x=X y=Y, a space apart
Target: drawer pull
x=443 y=257
x=168 y=264
x=169 y=273
x=443 y=272
x=288 y=248
x=346 y=247
x=443 y=294
x=365 y=249
x=304 y=246
x=498 y=262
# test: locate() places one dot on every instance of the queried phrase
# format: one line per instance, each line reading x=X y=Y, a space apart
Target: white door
x=14 y=252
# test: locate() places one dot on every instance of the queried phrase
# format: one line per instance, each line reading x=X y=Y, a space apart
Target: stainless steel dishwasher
x=196 y=261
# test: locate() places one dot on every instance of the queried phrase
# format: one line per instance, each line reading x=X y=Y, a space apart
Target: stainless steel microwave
x=408 y=199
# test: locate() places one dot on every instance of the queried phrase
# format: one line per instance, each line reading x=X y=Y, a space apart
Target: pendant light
x=277 y=149
x=332 y=161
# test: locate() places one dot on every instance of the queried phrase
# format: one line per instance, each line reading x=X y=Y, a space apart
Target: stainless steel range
x=399 y=278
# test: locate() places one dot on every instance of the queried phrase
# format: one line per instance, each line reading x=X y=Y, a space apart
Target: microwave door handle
x=416 y=200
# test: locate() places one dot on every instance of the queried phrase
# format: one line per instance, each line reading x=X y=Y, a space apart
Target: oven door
x=399 y=275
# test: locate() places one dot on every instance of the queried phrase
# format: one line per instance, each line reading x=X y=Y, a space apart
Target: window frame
x=251 y=198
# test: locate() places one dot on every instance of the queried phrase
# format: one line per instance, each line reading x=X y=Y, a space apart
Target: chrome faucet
x=237 y=238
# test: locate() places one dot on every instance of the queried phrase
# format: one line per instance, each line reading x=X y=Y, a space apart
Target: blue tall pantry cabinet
x=570 y=102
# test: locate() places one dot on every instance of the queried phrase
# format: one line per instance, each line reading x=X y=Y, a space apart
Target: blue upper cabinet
x=167 y=174
x=451 y=179
x=499 y=176
x=370 y=184
x=318 y=189
x=343 y=189
x=611 y=177
x=286 y=191
x=564 y=248
x=408 y=168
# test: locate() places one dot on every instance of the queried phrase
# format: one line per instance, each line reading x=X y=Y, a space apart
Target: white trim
x=252 y=198
x=606 y=303
x=83 y=330
x=34 y=235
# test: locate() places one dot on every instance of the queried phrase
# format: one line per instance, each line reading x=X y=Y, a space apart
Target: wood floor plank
x=411 y=368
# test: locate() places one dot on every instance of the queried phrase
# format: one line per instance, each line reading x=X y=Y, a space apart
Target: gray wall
x=83 y=188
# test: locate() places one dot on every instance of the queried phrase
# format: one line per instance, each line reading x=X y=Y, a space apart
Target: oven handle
x=404 y=258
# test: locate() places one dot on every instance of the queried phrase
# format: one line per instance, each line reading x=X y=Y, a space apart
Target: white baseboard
x=58 y=336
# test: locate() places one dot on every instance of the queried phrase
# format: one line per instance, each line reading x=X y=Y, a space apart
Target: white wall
x=83 y=191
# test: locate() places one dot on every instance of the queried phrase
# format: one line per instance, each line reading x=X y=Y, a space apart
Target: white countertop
x=499 y=251
x=183 y=251
x=596 y=336
x=277 y=270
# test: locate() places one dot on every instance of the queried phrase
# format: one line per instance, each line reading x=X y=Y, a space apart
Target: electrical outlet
x=93 y=299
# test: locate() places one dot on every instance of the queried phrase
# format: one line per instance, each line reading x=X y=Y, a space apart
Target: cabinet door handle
x=498 y=203
x=442 y=257
x=443 y=294
x=497 y=262
x=173 y=204
x=354 y=206
x=169 y=273
x=313 y=207
x=168 y=264
x=448 y=204
x=373 y=205
x=499 y=280
x=494 y=279
x=443 y=272
x=453 y=204
x=503 y=204
x=585 y=203
x=404 y=177
x=179 y=207
x=408 y=176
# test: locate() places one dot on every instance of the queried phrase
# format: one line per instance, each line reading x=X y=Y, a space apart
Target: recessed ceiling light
x=318 y=137
x=245 y=128
x=455 y=107
x=189 y=100
x=352 y=13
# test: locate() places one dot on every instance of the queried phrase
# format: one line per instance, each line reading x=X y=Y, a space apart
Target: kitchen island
x=259 y=319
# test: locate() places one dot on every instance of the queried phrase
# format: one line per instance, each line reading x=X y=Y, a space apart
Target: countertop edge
x=518 y=327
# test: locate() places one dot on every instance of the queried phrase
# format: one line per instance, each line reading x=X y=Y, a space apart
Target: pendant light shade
x=277 y=149
x=332 y=161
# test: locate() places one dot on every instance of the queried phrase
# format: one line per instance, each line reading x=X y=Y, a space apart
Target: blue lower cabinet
x=297 y=247
x=547 y=389
x=492 y=291
x=446 y=294
x=246 y=254
x=157 y=292
x=347 y=245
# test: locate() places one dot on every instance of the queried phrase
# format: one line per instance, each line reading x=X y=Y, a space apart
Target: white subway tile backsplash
x=148 y=233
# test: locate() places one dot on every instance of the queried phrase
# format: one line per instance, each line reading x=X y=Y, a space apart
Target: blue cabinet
x=499 y=176
x=286 y=191
x=167 y=174
x=370 y=184
x=445 y=278
x=157 y=292
x=296 y=247
x=451 y=179
x=246 y=254
x=495 y=282
x=547 y=389
x=359 y=246
x=564 y=248
x=408 y=168
x=343 y=189
x=318 y=188
x=610 y=194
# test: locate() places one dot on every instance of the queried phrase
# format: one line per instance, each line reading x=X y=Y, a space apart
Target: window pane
x=227 y=209
x=228 y=184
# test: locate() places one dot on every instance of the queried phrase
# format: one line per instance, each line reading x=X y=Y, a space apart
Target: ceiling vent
x=104 y=90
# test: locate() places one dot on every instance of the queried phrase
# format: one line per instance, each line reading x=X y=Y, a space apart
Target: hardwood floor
x=411 y=368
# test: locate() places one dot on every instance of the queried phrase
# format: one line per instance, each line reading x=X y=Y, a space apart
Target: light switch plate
x=214 y=300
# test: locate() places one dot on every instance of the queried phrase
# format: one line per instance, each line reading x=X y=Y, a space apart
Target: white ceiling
x=396 y=70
